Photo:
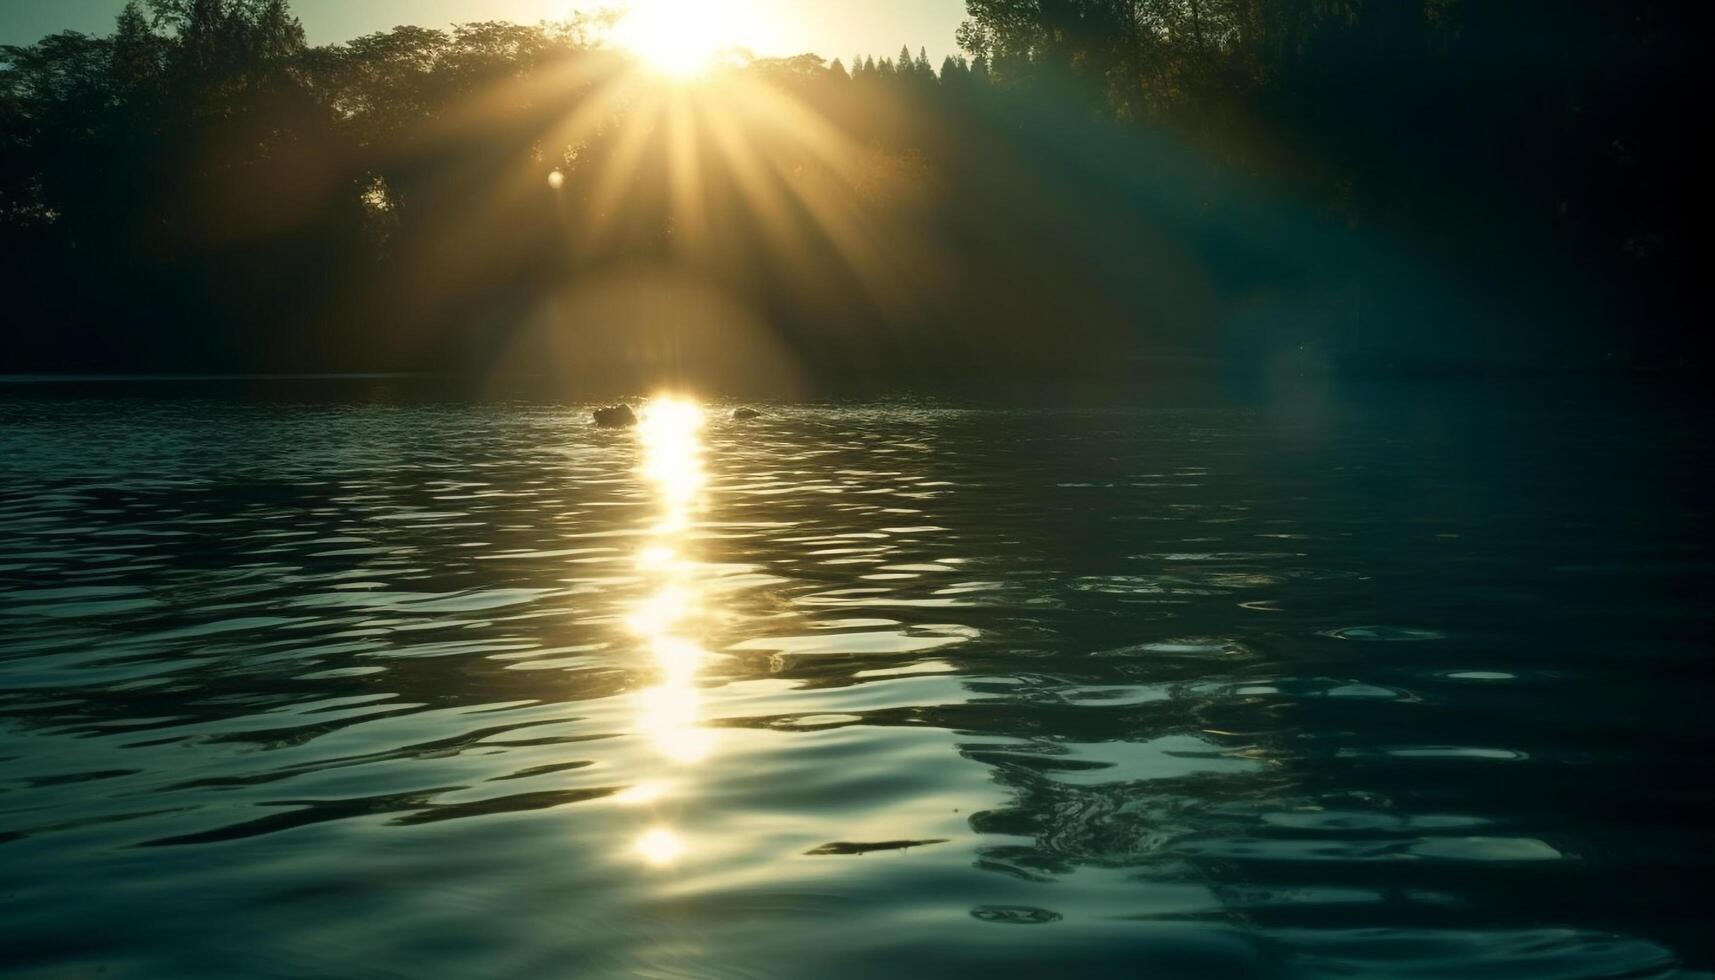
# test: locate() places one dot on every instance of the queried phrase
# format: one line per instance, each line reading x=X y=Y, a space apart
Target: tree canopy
x=1088 y=180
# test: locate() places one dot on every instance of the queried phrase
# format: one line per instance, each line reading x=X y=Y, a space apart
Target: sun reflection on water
x=671 y=431
x=660 y=847
x=669 y=713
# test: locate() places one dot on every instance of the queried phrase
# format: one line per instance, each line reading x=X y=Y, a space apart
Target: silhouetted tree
x=202 y=188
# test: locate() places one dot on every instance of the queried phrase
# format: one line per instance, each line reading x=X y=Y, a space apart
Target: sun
x=678 y=38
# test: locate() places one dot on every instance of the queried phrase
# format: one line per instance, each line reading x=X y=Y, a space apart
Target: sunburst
x=677 y=38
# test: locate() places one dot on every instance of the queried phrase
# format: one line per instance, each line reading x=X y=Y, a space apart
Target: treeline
x=1093 y=182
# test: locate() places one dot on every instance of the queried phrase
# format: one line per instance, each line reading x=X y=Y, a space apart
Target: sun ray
x=618 y=181
x=762 y=194
x=685 y=175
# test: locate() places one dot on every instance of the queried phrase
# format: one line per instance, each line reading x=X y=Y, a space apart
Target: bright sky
x=831 y=28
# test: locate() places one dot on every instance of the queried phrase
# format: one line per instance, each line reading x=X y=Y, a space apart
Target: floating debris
x=846 y=847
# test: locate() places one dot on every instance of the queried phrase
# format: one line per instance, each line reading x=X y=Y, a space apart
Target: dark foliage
x=1102 y=182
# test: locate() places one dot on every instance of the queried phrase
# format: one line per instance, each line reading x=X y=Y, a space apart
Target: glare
x=686 y=745
x=679 y=659
x=733 y=142
x=642 y=794
x=670 y=424
x=658 y=614
x=669 y=714
x=660 y=847
x=556 y=180
x=672 y=454
x=678 y=38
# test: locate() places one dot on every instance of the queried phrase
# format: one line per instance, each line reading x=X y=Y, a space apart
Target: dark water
x=1365 y=684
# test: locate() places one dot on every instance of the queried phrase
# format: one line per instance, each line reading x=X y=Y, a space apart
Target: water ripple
x=467 y=690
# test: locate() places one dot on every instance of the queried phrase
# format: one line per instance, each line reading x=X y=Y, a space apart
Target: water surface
x=1377 y=684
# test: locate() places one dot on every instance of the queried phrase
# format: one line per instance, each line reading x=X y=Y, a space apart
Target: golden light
x=679 y=658
x=642 y=794
x=556 y=180
x=669 y=426
x=670 y=429
x=682 y=164
x=669 y=714
x=658 y=614
x=669 y=717
x=678 y=38
x=660 y=847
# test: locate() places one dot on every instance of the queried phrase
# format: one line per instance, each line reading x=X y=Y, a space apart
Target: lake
x=339 y=679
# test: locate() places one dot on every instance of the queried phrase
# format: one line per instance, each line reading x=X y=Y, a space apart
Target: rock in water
x=615 y=417
x=746 y=415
